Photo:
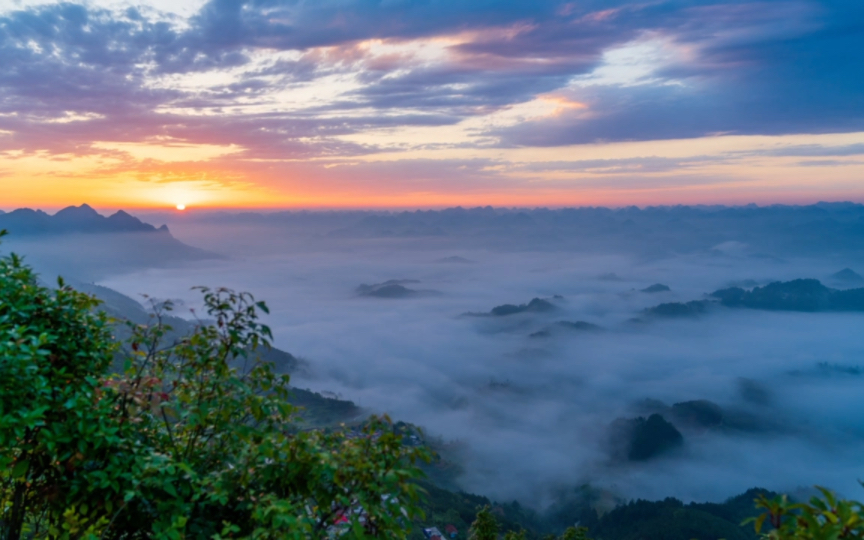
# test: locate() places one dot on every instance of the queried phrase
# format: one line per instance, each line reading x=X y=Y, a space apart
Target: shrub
x=194 y=439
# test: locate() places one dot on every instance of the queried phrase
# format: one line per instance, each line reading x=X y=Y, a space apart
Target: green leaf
x=20 y=469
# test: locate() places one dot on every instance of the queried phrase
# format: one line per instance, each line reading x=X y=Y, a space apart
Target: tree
x=513 y=535
x=194 y=439
x=822 y=518
x=57 y=435
x=485 y=527
x=575 y=533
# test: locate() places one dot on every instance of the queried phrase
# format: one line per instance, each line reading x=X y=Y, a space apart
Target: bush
x=192 y=440
x=822 y=518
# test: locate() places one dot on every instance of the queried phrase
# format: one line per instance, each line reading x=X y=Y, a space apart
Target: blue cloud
x=754 y=67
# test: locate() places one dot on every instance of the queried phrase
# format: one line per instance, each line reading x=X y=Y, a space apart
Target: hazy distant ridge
x=73 y=219
x=821 y=228
x=79 y=243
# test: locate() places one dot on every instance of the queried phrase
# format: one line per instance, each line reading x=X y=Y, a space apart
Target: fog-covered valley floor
x=527 y=415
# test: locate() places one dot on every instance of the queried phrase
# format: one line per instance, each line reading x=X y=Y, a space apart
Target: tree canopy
x=191 y=439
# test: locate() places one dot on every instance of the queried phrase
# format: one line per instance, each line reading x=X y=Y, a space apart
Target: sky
x=430 y=103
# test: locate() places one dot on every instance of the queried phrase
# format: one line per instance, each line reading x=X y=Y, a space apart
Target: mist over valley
x=538 y=350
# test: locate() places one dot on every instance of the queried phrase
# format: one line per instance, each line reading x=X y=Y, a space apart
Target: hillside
x=317 y=410
x=668 y=519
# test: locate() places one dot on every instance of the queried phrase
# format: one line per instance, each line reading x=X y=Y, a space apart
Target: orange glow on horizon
x=731 y=195
x=721 y=170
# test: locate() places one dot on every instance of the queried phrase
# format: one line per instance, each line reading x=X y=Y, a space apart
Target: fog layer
x=526 y=416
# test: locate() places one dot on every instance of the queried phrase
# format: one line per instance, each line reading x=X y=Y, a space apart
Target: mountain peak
x=848 y=275
x=72 y=219
x=123 y=221
x=84 y=209
x=78 y=213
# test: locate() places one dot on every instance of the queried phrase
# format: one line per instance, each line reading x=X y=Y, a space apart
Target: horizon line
x=398 y=209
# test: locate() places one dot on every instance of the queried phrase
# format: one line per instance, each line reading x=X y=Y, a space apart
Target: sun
x=181 y=206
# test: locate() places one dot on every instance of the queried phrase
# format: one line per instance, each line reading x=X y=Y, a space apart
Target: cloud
x=828 y=163
x=768 y=68
x=816 y=150
x=649 y=164
x=531 y=414
x=284 y=80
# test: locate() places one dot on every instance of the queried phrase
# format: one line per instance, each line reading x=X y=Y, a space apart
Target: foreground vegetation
x=193 y=439
x=196 y=438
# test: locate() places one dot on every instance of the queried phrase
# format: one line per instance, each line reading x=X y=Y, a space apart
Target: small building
x=432 y=533
x=451 y=530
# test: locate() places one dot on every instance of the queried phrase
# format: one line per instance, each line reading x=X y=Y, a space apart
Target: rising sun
x=181 y=207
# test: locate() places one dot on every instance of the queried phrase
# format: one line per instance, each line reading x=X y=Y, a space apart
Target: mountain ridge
x=72 y=219
x=80 y=243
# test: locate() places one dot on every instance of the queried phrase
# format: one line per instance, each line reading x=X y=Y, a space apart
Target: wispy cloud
x=285 y=80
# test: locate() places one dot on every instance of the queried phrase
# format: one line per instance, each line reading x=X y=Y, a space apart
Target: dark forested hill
x=796 y=295
x=670 y=519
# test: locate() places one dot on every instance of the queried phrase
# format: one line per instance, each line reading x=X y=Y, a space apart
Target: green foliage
x=442 y=507
x=58 y=434
x=193 y=440
x=319 y=411
x=822 y=518
x=575 y=533
x=485 y=527
x=668 y=519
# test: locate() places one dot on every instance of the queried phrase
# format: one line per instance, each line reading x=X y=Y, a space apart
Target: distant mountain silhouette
x=656 y=231
x=73 y=219
x=699 y=415
x=566 y=326
x=657 y=287
x=796 y=295
x=79 y=243
x=536 y=305
x=849 y=276
x=394 y=288
x=640 y=439
x=677 y=309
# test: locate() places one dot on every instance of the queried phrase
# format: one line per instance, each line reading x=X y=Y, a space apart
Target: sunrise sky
x=430 y=103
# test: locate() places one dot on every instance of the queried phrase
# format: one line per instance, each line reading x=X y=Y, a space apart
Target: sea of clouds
x=528 y=416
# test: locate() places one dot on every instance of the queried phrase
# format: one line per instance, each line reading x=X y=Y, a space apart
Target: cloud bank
x=527 y=416
x=273 y=82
